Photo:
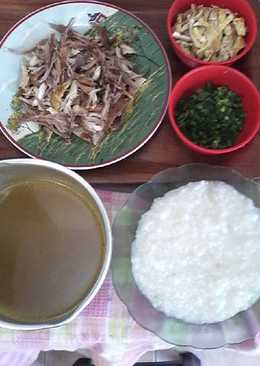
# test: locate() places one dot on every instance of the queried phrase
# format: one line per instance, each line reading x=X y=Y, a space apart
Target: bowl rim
x=159 y=120
x=68 y=317
x=193 y=145
x=196 y=61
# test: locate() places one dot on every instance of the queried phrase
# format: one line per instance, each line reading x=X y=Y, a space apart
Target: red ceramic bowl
x=241 y=7
x=234 y=80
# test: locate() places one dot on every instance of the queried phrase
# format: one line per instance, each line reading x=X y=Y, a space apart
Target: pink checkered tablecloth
x=106 y=330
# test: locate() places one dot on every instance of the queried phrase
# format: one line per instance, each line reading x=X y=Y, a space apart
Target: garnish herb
x=211 y=117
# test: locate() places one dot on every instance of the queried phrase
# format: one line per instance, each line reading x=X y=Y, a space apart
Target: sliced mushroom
x=208 y=32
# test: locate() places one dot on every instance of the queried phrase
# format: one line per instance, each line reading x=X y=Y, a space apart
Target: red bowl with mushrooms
x=192 y=38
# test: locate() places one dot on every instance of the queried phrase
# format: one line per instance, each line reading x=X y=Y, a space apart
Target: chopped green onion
x=212 y=116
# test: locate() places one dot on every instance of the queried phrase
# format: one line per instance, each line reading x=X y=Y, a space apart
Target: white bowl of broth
x=55 y=244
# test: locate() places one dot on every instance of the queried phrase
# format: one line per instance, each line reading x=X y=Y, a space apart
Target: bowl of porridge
x=186 y=261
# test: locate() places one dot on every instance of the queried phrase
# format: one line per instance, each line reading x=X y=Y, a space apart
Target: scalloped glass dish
x=241 y=327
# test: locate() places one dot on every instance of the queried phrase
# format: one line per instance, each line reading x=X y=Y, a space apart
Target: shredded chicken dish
x=210 y=33
x=75 y=84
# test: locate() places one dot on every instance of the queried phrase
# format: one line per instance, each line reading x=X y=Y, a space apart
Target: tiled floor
x=169 y=355
x=60 y=358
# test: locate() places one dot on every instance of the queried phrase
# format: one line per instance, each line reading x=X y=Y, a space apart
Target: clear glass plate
x=241 y=327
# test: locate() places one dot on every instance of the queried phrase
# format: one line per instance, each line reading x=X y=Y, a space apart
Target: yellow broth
x=51 y=250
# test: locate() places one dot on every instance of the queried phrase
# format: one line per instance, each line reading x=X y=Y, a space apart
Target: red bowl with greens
x=218 y=75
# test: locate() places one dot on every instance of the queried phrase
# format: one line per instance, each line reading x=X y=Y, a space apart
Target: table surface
x=164 y=150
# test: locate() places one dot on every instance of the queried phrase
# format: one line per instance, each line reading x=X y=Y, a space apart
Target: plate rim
x=169 y=76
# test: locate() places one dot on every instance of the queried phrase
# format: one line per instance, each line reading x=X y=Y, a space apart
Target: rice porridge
x=196 y=255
